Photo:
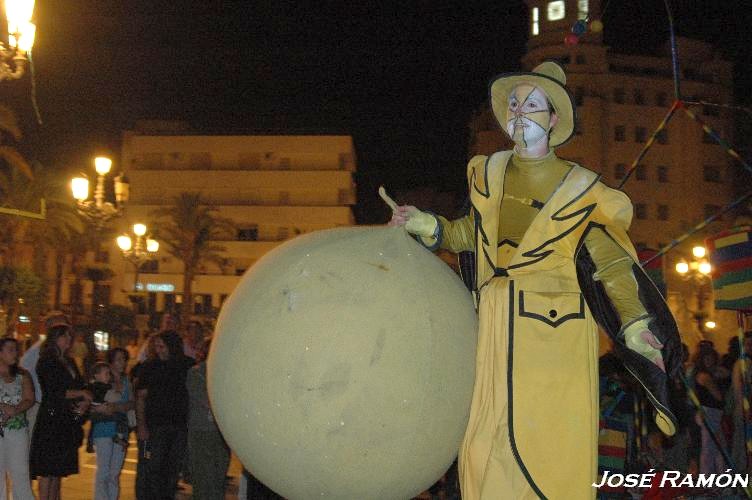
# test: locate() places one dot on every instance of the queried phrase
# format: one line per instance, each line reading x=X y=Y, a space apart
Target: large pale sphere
x=343 y=366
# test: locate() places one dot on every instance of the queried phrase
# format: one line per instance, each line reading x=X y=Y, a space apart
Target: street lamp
x=697 y=270
x=138 y=250
x=21 y=33
x=98 y=210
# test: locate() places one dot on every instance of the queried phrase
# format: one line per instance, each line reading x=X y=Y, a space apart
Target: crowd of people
x=709 y=398
x=46 y=397
x=159 y=391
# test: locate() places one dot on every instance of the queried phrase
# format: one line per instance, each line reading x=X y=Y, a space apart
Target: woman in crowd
x=16 y=396
x=110 y=438
x=711 y=399
x=57 y=432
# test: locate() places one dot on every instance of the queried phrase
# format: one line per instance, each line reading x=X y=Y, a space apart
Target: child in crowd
x=101 y=389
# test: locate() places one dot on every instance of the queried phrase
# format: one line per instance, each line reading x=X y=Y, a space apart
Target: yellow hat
x=550 y=78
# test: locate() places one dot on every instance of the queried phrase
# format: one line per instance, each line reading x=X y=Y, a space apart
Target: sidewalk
x=81 y=486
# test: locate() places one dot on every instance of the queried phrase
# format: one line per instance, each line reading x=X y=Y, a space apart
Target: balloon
x=571 y=39
x=343 y=366
x=596 y=26
x=579 y=28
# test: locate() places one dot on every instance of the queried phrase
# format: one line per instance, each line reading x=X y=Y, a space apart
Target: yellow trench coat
x=534 y=416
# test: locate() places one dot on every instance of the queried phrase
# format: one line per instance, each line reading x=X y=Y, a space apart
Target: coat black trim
x=510 y=396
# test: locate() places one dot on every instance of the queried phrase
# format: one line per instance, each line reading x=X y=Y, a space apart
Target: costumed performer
x=552 y=259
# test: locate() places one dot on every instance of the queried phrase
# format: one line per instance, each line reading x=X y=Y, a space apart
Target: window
x=582 y=9
x=102 y=256
x=662 y=136
x=662 y=212
x=640 y=134
x=150 y=266
x=556 y=10
x=639 y=97
x=641 y=211
x=662 y=173
x=711 y=210
x=199 y=161
x=101 y=295
x=249 y=161
x=620 y=133
x=248 y=234
x=535 y=26
x=620 y=171
x=619 y=96
x=711 y=173
x=202 y=304
x=641 y=173
x=661 y=99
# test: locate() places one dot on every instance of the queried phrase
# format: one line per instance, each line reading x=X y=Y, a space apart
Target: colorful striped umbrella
x=731 y=257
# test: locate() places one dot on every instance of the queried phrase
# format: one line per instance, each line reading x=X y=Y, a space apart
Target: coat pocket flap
x=552 y=308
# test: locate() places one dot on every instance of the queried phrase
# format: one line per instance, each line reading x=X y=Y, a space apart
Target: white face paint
x=528 y=116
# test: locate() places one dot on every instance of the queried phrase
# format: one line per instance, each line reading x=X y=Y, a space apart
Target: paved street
x=81 y=486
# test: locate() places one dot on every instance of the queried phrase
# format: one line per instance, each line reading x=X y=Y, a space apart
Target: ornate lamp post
x=138 y=250
x=99 y=211
x=697 y=271
x=20 y=39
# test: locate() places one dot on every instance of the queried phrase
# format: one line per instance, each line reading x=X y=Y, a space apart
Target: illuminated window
x=556 y=10
x=535 y=24
x=582 y=9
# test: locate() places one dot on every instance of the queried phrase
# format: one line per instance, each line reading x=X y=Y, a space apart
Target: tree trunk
x=187 y=307
x=59 y=266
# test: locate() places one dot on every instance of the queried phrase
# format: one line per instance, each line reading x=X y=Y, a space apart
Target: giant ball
x=343 y=366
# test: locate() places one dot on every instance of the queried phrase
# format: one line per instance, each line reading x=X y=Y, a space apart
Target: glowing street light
x=698 y=271
x=137 y=250
x=98 y=210
x=21 y=33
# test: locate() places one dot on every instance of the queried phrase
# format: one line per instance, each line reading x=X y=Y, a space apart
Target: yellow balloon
x=596 y=26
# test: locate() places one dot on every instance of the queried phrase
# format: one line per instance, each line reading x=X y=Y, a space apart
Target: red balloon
x=571 y=39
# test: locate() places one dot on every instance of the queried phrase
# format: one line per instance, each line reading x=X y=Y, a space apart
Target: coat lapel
x=563 y=213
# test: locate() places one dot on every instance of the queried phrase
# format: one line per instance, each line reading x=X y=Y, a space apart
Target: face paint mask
x=528 y=116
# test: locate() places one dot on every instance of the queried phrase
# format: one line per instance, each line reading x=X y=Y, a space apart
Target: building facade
x=621 y=99
x=271 y=187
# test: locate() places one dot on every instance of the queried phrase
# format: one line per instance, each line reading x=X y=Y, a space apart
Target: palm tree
x=10 y=133
x=187 y=229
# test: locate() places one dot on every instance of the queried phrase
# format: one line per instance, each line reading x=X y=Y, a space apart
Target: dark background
x=403 y=78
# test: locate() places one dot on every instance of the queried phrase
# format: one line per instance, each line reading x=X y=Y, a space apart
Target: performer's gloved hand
x=415 y=221
x=640 y=339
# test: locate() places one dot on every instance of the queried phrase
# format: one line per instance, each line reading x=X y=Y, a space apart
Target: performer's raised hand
x=413 y=220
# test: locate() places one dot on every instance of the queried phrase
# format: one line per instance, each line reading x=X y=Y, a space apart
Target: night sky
x=402 y=77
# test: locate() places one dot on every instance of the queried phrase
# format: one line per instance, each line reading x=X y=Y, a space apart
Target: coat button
x=553 y=313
